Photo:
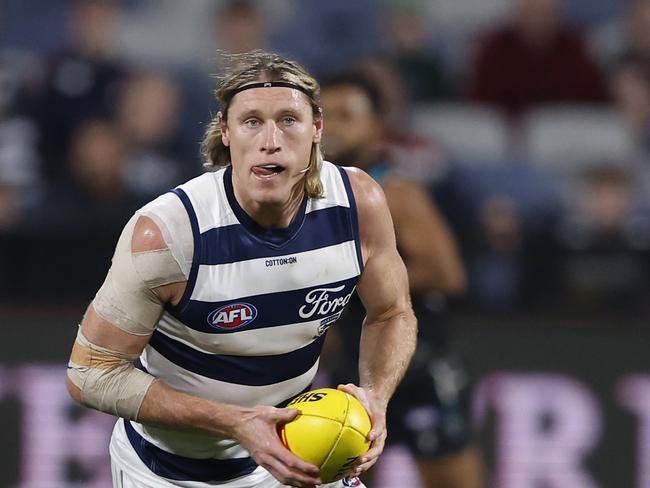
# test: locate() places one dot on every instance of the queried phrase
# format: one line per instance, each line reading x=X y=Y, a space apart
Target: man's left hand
x=377 y=436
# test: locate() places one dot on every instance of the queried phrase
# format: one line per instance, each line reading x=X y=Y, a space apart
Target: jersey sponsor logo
x=319 y=302
x=232 y=316
x=280 y=261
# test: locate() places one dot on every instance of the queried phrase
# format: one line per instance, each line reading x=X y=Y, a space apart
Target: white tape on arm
x=108 y=380
x=126 y=299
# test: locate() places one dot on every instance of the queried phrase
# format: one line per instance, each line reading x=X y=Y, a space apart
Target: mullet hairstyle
x=256 y=66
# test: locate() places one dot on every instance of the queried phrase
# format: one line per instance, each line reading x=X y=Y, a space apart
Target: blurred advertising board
x=554 y=407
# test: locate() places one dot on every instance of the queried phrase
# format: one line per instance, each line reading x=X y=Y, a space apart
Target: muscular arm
x=255 y=428
x=390 y=328
x=425 y=241
x=162 y=404
x=389 y=331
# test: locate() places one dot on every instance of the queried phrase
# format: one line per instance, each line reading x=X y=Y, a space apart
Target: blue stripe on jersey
x=321 y=228
x=353 y=210
x=194 y=222
x=174 y=467
x=269 y=314
x=242 y=370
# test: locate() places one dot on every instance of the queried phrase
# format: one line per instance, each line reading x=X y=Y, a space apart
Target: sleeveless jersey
x=251 y=323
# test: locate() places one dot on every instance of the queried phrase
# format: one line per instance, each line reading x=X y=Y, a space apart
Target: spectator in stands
x=148 y=115
x=78 y=219
x=630 y=86
x=535 y=59
x=411 y=51
x=239 y=27
x=19 y=161
x=96 y=195
x=633 y=39
x=81 y=82
x=598 y=250
x=495 y=255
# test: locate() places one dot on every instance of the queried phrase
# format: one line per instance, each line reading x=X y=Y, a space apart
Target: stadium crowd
x=529 y=124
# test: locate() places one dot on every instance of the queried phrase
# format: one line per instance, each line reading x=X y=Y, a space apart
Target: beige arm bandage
x=107 y=379
x=126 y=299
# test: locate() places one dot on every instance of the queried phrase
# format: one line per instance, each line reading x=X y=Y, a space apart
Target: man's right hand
x=257 y=431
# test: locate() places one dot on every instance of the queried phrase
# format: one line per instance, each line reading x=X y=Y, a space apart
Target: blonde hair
x=261 y=66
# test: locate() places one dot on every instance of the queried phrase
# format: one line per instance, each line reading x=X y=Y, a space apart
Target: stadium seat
x=569 y=138
x=469 y=133
x=468 y=15
x=535 y=192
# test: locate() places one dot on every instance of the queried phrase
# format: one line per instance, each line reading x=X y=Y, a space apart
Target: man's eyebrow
x=288 y=111
x=252 y=112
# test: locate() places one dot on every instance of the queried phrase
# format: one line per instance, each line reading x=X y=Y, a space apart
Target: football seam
x=347 y=409
x=365 y=436
x=309 y=414
x=338 y=437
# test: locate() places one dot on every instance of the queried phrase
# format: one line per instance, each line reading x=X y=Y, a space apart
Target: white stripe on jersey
x=313 y=268
x=201 y=445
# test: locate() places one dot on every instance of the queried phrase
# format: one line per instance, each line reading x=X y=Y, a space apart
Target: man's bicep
x=383 y=286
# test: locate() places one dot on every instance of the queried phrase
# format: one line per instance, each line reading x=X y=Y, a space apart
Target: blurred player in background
x=429 y=412
x=224 y=289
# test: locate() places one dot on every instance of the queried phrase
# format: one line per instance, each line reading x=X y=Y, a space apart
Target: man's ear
x=318 y=127
x=223 y=128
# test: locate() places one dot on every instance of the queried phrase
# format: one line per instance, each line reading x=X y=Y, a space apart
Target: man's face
x=270 y=132
x=538 y=20
x=352 y=128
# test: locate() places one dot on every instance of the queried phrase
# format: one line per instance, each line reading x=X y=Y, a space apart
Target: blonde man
x=224 y=289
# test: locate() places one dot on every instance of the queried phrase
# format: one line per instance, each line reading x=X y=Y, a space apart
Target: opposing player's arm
x=118 y=325
x=389 y=332
x=427 y=244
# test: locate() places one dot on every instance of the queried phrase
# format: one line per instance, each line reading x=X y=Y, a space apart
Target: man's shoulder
x=201 y=182
x=362 y=182
x=173 y=199
x=368 y=194
x=147 y=236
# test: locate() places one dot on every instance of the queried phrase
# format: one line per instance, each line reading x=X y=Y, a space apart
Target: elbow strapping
x=106 y=380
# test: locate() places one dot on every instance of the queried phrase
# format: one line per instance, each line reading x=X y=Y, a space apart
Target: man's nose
x=271 y=138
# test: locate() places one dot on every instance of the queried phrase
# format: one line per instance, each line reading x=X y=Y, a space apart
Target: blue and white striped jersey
x=250 y=326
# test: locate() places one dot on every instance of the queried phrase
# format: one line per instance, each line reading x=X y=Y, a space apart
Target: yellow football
x=330 y=431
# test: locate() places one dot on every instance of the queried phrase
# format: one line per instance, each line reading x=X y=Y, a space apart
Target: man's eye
x=288 y=120
x=252 y=123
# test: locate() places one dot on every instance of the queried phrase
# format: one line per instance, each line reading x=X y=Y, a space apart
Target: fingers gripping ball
x=330 y=431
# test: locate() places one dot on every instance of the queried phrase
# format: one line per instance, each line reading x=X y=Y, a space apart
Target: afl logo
x=232 y=316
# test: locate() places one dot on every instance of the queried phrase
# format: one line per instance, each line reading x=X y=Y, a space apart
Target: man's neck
x=272 y=215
